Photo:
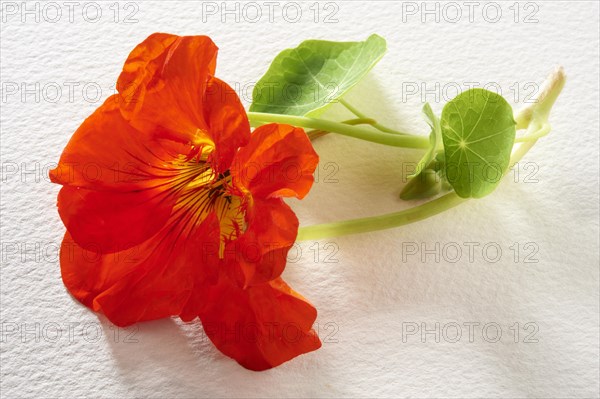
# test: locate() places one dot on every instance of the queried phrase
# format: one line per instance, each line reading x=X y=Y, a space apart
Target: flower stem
x=376 y=125
x=394 y=140
x=381 y=222
x=535 y=117
x=541 y=132
x=412 y=215
x=315 y=134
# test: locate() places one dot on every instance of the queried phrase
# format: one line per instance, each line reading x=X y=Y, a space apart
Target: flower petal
x=146 y=282
x=259 y=254
x=279 y=161
x=261 y=326
x=107 y=153
x=112 y=221
x=141 y=69
x=163 y=83
x=118 y=182
x=227 y=123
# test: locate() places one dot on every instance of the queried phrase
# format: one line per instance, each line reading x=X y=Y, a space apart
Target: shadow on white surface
x=177 y=359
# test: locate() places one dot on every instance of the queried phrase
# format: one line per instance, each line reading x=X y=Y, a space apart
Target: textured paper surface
x=371 y=298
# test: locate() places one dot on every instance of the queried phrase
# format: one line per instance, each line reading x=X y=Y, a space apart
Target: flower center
x=202 y=191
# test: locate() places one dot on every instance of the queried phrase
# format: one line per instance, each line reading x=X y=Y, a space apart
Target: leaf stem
x=376 y=125
x=543 y=131
x=381 y=222
x=535 y=117
x=394 y=140
x=401 y=218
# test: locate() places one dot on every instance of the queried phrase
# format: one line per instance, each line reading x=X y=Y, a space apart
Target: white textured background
x=370 y=293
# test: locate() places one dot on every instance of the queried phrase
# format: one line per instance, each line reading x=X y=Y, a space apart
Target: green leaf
x=434 y=137
x=304 y=80
x=425 y=181
x=424 y=185
x=478 y=131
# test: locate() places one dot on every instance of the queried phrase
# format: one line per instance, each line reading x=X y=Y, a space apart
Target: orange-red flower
x=172 y=206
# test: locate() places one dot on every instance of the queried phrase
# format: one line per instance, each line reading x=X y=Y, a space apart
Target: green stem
x=544 y=130
x=535 y=116
x=374 y=223
x=401 y=218
x=376 y=125
x=394 y=140
x=315 y=134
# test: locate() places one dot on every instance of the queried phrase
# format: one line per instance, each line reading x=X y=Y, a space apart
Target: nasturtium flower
x=174 y=208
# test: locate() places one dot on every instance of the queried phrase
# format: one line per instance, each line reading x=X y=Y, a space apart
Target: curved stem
x=315 y=134
x=543 y=131
x=393 y=140
x=518 y=154
x=374 y=223
x=376 y=125
x=536 y=118
x=415 y=214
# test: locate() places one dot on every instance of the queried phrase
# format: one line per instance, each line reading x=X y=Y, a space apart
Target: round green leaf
x=304 y=80
x=478 y=131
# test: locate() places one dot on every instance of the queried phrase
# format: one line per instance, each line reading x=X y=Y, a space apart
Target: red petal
x=112 y=221
x=141 y=69
x=107 y=153
x=227 y=123
x=261 y=326
x=163 y=83
x=117 y=181
x=146 y=282
x=260 y=253
x=278 y=161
